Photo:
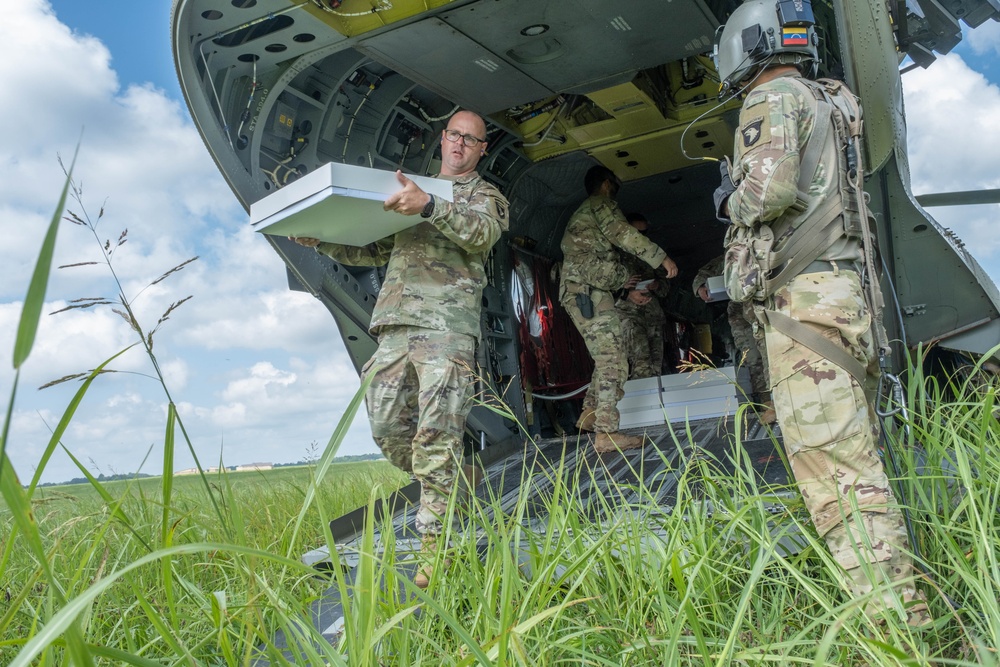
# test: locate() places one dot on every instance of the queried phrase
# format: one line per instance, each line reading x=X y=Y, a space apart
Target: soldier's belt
x=823 y=266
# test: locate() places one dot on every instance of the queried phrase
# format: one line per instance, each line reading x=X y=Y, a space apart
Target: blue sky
x=137 y=32
x=258 y=372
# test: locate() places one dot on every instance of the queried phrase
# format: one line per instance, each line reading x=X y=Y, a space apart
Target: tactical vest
x=755 y=271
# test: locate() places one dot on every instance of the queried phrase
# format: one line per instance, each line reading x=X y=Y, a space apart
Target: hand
x=703 y=293
x=639 y=297
x=630 y=283
x=305 y=240
x=652 y=286
x=408 y=201
x=670 y=267
x=723 y=192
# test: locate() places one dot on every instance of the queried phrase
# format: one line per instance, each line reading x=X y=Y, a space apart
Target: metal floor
x=659 y=465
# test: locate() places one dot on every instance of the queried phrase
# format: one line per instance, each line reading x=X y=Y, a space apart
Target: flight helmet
x=762 y=32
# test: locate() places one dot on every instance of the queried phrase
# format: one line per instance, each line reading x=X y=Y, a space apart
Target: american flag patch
x=794 y=37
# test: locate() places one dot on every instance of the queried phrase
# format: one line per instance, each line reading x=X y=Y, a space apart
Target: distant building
x=254 y=466
x=194 y=471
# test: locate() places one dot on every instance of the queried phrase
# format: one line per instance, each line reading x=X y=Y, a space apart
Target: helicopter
x=280 y=88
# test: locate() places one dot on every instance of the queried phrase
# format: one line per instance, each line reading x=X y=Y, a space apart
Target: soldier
x=427 y=319
x=796 y=187
x=641 y=313
x=591 y=273
x=751 y=348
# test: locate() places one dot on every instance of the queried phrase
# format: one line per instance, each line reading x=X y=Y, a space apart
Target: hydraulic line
x=354 y=117
x=382 y=6
x=204 y=61
x=245 y=116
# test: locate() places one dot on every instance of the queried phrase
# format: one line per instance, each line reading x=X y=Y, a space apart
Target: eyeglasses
x=454 y=135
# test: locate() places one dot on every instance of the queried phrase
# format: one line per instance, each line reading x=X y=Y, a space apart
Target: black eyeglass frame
x=469 y=140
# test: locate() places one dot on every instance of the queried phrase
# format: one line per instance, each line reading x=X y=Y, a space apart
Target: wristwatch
x=428 y=208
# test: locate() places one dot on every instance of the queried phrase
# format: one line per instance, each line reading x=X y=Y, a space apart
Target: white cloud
x=954 y=145
x=242 y=357
x=985 y=38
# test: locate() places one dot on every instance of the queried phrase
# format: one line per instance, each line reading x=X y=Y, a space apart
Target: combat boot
x=768 y=415
x=613 y=442
x=428 y=553
x=586 y=421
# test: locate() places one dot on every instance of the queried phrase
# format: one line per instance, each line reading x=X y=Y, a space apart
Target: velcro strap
x=815 y=341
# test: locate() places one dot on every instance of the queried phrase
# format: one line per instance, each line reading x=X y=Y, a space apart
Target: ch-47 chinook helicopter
x=278 y=88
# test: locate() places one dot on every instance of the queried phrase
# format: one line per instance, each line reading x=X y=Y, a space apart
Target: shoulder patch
x=754 y=130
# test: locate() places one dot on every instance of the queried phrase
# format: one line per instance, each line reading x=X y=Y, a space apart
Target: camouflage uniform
x=642 y=326
x=427 y=319
x=751 y=349
x=830 y=431
x=592 y=265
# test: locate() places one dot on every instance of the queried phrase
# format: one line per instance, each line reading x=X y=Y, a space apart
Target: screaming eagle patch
x=753 y=131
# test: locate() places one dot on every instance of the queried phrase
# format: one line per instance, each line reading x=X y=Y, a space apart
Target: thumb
x=403 y=180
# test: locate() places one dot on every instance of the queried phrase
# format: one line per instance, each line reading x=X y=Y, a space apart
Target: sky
x=258 y=372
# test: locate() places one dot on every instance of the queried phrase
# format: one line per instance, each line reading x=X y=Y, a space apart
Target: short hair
x=597 y=175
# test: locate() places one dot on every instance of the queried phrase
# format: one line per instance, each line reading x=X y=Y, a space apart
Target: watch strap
x=428 y=207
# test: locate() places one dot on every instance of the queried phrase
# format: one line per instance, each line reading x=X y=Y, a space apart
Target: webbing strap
x=808 y=336
x=810 y=156
x=806 y=245
x=808 y=242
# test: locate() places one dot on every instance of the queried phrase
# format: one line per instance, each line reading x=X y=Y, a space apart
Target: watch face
x=428 y=208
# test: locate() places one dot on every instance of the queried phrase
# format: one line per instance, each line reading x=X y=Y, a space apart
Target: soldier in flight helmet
x=761 y=33
x=796 y=248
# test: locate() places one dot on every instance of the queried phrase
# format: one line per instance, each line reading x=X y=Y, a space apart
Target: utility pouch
x=586 y=305
x=747 y=257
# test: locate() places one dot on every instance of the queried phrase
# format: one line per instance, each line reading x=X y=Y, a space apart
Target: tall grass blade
x=328 y=454
x=67 y=417
x=64 y=619
x=24 y=519
x=166 y=537
x=167 y=480
x=27 y=327
x=35 y=298
x=113 y=505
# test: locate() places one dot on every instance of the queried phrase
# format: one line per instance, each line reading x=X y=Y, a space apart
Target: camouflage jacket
x=436 y=271
x=590 y=243
x=711 y=268
x=776 y=121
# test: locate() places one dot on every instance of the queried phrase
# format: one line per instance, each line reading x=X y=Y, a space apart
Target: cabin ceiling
x=484 y=56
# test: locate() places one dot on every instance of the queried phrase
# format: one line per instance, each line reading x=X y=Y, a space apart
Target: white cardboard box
x=717 y=289
x=340 y=203
x=674 y=398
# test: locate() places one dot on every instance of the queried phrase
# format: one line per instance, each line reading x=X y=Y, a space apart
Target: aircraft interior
x=280 y=87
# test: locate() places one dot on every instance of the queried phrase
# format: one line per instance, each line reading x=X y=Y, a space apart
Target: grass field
x=203 y=570
x=142 y=583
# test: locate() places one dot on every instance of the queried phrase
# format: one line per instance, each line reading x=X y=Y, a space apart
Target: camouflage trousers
x=751 y=351
x=642 y=334
x=602 y=335
x=418 y=400
x=830 y=435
